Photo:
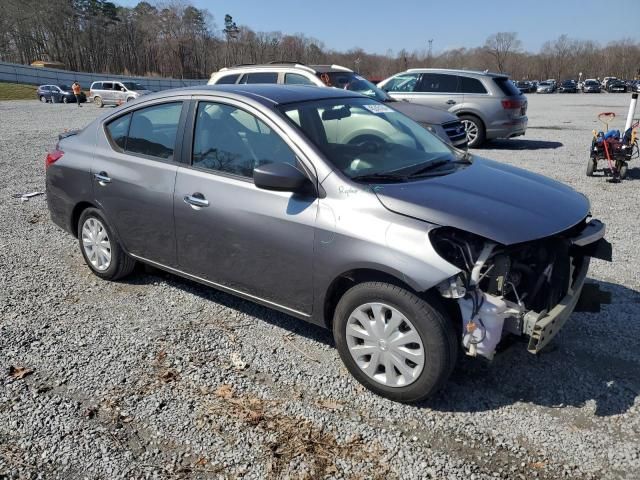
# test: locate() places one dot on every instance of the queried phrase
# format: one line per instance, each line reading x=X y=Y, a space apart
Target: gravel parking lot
x=158 y=377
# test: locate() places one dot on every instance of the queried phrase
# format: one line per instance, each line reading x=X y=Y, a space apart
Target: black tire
x=43 y=99
x=435 y=330
x=65 y=100
x=591 y=167
x=623 y=170
x=480 y=137
x=98 y=101
x=121 y=264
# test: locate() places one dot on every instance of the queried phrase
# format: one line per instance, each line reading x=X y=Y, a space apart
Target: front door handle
x=102 y=178
x=197 y=201
x=451 y=102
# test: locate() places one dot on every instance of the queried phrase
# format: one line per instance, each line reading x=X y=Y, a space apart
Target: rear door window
x=96 y=86
x=438 y=83
x=506 y=86
x=260 y=77
x=471 y=85
x=107 y=86
x=153 y=130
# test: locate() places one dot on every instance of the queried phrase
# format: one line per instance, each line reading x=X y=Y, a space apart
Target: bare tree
x=500 y=46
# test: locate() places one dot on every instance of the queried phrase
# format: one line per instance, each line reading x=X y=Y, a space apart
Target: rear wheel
x=98 y=101
x=474 y=128
x=393 y=342
x=100 y=247
x=591 y=167
x=43 y=99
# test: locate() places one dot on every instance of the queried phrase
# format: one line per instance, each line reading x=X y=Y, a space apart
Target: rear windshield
x=507 y=87
x=354 y=82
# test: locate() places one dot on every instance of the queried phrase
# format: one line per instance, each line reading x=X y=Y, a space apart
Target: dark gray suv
x=336 y=209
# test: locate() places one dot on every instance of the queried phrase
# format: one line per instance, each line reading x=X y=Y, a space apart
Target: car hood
x=499 y=202
x=423 y=114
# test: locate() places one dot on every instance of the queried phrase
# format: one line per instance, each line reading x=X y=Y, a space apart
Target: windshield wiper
x=424 y=171
x=380 y=177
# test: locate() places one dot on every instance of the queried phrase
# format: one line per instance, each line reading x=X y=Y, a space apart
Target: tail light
x=53 y=156
x=512 y=104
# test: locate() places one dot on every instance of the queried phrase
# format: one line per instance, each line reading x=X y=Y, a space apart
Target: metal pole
x=632 y=111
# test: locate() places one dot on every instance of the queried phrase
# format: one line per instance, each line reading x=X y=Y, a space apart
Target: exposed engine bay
x=529 y=288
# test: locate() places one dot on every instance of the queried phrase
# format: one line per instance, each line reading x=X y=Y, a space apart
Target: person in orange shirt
x=77 y=89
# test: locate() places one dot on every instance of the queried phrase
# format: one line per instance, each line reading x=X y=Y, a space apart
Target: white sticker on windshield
x=377 y=108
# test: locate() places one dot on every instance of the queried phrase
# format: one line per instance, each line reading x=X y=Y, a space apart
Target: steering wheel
x=368 y=143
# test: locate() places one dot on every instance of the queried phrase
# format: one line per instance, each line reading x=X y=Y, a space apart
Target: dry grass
x=13 y=91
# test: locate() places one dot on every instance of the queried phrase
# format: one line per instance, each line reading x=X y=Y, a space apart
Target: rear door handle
x=451 y=102
x=196 y=201
x=102 y=178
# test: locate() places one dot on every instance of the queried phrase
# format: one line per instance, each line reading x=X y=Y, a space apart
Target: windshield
x=354 y=82
x=133 y=86
x=366 y=139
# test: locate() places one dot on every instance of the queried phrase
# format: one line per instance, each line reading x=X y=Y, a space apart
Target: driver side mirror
x=281 y=177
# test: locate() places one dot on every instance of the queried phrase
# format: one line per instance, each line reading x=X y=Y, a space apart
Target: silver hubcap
x=385 y=344
x=96 y=244
x=471 y=129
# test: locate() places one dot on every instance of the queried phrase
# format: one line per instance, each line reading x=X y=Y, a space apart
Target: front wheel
x=623 y=170
x=100 y=247
x=393 y=342
x=474 y=128
x=65 y=100
x=591 y=167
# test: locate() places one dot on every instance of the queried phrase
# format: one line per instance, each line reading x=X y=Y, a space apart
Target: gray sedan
x=336 y=209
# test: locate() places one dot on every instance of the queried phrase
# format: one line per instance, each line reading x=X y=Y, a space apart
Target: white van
x=115 y=92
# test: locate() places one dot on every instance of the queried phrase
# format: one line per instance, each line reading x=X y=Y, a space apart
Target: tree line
x=181 y=41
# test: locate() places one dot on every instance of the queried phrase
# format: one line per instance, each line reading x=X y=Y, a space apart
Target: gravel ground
x=158 y=377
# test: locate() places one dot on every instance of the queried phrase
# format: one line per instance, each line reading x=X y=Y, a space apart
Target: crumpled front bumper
x=542 y=327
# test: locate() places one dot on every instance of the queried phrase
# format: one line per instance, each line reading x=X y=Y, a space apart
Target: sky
x=377 y=26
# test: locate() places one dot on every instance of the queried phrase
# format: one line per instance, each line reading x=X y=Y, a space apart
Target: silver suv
x=406 y=248
x=489 y=104
x=115 y=92
x=447 y=126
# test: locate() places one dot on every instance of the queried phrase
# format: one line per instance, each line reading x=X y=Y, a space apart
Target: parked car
x=406 y=248
x=488 y=104
x=546 y=87
x=606 y=81
x=115 y=92
x=525 y=86
x=616 y=86
x=568 y=86
x=58 y=94
x=591 y=85
x=446 y=125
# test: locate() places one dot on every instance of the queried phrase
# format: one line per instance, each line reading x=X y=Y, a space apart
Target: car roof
x=485 y=73
x=292 y=65
x=266 y=93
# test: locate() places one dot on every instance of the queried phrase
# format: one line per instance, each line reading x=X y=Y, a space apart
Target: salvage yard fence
x=25 y=74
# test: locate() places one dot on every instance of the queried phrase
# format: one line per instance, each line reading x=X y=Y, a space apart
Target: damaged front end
x=526 y=289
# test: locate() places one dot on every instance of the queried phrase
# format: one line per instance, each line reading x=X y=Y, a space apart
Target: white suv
x=447 y=126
